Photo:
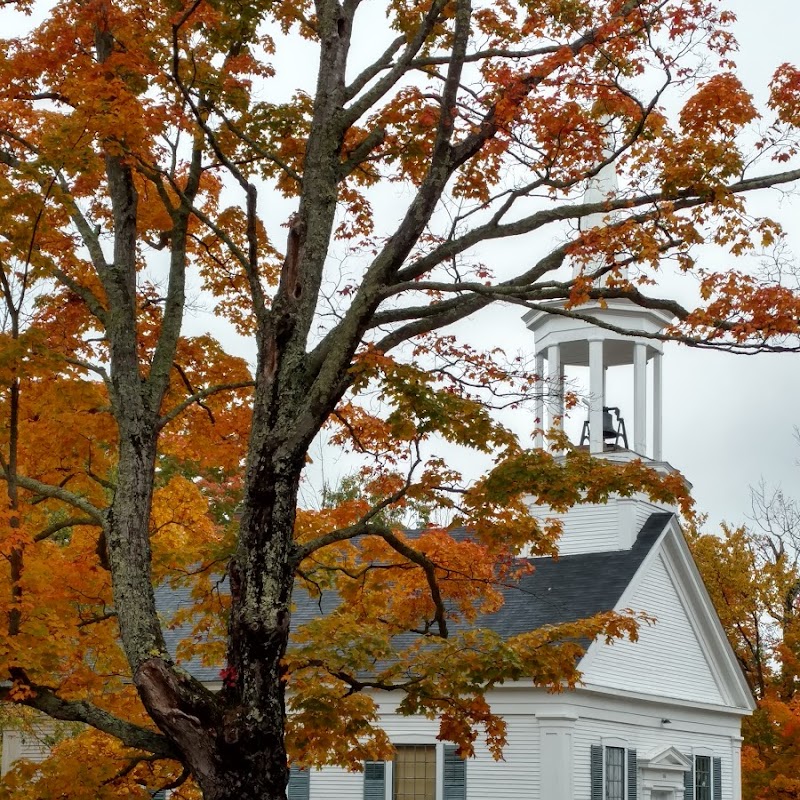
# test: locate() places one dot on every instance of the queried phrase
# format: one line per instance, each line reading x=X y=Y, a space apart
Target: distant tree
x=142 y=152
x=753 y=575
x=402 y=514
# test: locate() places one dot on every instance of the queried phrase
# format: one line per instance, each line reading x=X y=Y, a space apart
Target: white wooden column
x=736 y=769
x=658 y=409
x=538 y=439
x=556 y=747
x=12 y=749
x=640 y=398
x=597 y=394
x=555 y=386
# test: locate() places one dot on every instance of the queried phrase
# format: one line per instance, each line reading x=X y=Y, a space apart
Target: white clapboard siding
x=30 y=744
x=517 y=776
x=646 y=738
x=603 y=527
x=408 y=730
x=643 y=510
x=586 y=529
x=34 y=746
x=336 y=784
x=668 y=659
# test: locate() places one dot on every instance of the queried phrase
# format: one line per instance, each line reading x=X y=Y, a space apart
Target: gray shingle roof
x=573 y=587
x=570 y=588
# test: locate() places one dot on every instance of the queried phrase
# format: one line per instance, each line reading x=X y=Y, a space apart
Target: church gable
x=669 y=659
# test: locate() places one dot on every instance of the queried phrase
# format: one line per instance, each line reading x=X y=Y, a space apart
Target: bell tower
x=601 y=337
x=616 y=334
x=613 y=336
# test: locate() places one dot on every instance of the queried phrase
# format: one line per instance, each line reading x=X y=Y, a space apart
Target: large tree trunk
x=234 y=743
x=261 y=578
x=242 y=779
x=253 y=755
x=249 y=760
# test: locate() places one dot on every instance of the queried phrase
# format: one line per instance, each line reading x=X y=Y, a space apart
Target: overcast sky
x=728 y=420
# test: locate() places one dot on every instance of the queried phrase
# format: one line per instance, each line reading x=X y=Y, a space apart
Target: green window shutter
x=596 y=762
x=298 y=787
x=717 y=778
x=455 y=774
x=374 y=780
x=688 y=781
x=632 y=775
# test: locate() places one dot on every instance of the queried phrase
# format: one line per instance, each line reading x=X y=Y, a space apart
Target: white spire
x=601 y=187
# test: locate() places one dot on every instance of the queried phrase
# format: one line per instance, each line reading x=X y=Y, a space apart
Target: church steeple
x=562 y=342
x=608 y=335
x=616 y=335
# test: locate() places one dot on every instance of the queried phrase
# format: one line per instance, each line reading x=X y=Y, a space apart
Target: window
x=415 y=773
x=702 y=778
x=614 y=772
x=412 y=775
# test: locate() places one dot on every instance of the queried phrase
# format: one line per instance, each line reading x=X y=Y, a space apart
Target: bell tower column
x=538 y=440
x=597 y=395
x=658 y=411
x=640 y=398
x=555 y=377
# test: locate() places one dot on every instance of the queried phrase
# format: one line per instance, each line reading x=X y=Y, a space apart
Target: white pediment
x=669 y=759
x=684 y=656
x=663 y=773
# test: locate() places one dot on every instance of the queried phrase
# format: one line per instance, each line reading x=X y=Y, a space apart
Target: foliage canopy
x=144 y=150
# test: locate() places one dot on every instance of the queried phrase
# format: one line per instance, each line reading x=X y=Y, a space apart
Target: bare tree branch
x=62 y=494
x=365 y=526
x=429 y=568
x=48 y=702
x=367 y=100
x=200 y=395
x=57 y=527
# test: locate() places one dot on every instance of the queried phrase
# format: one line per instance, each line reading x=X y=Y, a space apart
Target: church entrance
x=663 y=774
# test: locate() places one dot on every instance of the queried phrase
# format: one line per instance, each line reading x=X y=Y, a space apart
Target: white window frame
x=417 y=742
x=703 y=752
x=620 y=744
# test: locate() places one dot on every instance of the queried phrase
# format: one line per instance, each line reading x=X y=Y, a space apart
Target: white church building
x=655 y=719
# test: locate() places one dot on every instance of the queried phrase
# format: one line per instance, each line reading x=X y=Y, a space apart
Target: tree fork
x=232 y=754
